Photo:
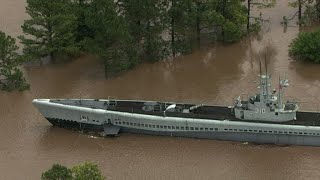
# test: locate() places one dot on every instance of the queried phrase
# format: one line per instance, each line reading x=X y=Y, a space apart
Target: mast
x=264 y=83
x=261 y=83
x=260 y=68
x=267 y=77
x=279 y=95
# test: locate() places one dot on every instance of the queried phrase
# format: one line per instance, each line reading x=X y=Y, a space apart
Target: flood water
x=215 y=75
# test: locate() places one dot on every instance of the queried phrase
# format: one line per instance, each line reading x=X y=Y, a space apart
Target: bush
x=85 y=171
x=11 y=77
x=15 y=81
x=57 y=172
x=306 y=46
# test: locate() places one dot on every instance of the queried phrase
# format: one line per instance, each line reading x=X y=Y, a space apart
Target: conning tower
x=266 y=105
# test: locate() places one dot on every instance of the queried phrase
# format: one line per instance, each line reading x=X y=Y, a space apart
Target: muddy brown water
x=215 y=75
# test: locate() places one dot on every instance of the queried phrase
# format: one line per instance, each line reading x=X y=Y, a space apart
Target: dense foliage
x=57 y=172
x=86 y=171
x=83 y=171
x=317 y=5
x=111 y=39
x=124 y=33
x=307 y=46
x=254 y=22
x=308 y=11
x=50 y=32
x=11 y=77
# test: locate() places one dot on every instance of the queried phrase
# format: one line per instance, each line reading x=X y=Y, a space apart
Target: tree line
x=11 y=77
x=306 y=46
x=124 y=33
x=308 y=11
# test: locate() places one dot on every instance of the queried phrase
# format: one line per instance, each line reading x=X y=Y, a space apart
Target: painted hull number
x=260 y=111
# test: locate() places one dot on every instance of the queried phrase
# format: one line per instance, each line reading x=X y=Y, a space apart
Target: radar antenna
x=267 y=77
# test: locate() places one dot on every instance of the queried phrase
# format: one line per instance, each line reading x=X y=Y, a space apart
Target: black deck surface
x=205 y=112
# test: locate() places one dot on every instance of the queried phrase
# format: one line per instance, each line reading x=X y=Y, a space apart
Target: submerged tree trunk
x=224 y=15
x=80 y=22
x=172 y=38
x=248 y=14
x=51 y=57
x=106 y=72
x=300 y=12
x=198 y=23
x=50 y=41
x=318 y=9
x=172 y=29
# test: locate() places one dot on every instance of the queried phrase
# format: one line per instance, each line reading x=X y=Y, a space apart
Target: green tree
x=318 y=9
x=307 y=46
x=87 y=171
x=299 y=4
x=50 y=30
x=227 y=18
x=235 y=20
x=57 y=172
x=80 y=8
x=311 y=11
x=188 y=19
x=199 y=9
x=112 y=40
x=257 y=20
x=180 y=26
x=11 y=76
x=146 y=22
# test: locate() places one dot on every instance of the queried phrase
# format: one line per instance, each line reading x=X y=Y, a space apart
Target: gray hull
x=278 y=139
x=242 y=137
x=113 y=122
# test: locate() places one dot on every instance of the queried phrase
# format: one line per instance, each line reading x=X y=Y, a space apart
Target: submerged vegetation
x=254 y=22
x=307 y=46
x=83 y=171
x=124 y=33
x=308 y=11
x=50 y=32
x=11 y=77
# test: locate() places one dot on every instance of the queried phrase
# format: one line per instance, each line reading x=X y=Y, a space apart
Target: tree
x=257 y=20
x=311 y=10
x=80 y=8
x=57 y=172
x=187 y=20
x=200 y=7
x=307 y=46
x=87 y=171
x=11 y=76
x=112 y=40
x=298 y=4
x=50 y=31
x=195 y=20
x=180 y=26
x=146 y=22
x=227 y=18
x=318 y=9
x=235 y=19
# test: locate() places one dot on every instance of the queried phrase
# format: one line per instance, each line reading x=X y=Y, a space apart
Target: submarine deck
x=206 y=112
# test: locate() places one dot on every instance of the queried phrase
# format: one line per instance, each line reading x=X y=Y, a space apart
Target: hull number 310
x=261 y=111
